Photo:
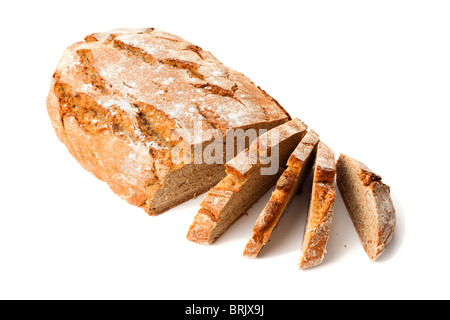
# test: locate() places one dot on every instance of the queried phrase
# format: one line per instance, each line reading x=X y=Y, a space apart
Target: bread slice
x=245 y=182
x=369 y=204
x=299 y=166
x=321 y=207
x=123 y=102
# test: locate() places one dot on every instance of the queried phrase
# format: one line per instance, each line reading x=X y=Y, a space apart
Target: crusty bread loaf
x=245 y=182
x=369 y=204
x=123 y=102
x=298 y=168
x=321 y=207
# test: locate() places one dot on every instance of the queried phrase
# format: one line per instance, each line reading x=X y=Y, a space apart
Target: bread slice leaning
x=321 y=207
x=246 y=181
x=369 y=204
x=299 y=166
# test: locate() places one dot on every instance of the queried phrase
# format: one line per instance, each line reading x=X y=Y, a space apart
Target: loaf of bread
x=245 y=182
x=369 y=204
x=126 y=102
x=157 y=118
x=292 y=179
x=321 y=208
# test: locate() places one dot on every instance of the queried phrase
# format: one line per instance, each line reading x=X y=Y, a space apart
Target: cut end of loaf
x=369 y=204
x=183 y=184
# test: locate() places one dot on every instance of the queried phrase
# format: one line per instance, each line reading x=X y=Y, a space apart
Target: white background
x=372 y=77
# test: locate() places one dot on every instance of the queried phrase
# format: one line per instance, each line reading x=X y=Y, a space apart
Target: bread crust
x=290 y=182
x=321 y=208
x=379 y=195
x=122 y=100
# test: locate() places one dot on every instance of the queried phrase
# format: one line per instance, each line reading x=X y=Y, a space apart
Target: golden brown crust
x=269 y=219
x=242 y=165
x=320 y=214
x=54 y=112
x=202 y=226
x=144 y=91
x=369 y=178
x=318 y=229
